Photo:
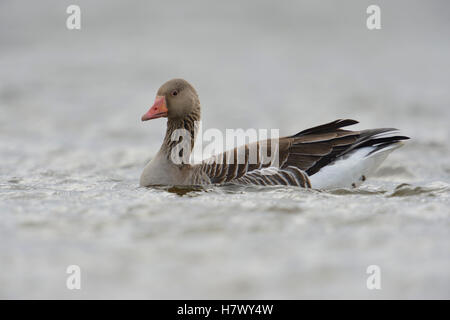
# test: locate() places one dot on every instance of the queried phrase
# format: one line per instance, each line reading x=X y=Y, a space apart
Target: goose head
x=175 y=99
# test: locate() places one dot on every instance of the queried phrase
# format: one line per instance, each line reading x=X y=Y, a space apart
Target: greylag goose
x=321 y=157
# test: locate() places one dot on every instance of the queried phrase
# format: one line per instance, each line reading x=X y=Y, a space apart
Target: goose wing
x=291 y=160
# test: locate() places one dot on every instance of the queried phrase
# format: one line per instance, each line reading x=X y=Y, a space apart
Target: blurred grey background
x=72 y=145
x=255 y=64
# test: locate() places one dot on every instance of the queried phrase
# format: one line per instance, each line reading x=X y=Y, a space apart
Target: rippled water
x=72 y=149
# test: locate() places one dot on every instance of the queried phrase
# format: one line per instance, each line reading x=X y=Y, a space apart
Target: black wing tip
x=340 y=123
x=384 y=132
x=381 y=141
x=347 y=122
x=333 y=125
x=392 y=139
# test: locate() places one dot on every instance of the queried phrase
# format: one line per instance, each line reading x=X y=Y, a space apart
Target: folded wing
x=292 y=160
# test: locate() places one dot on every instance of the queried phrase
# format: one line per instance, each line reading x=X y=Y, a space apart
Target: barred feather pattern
x=298 y=157
x=250 y=164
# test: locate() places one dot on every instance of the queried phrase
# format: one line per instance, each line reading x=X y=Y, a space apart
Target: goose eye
x=174 y=93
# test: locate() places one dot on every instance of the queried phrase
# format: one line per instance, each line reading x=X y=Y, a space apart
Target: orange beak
x=158 y=110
